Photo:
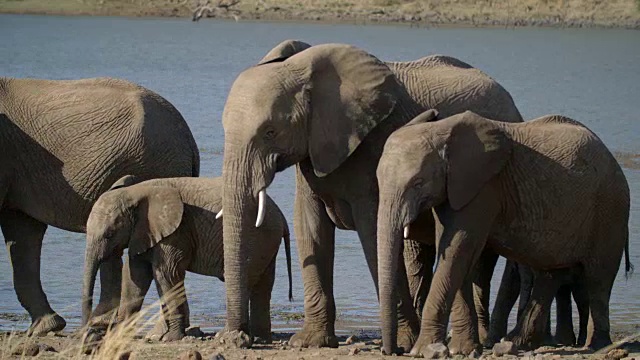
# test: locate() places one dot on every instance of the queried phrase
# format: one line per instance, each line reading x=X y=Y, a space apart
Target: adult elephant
x=328 y=109
x=62 y=144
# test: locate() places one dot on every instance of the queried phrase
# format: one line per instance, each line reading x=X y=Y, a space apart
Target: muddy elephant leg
x=170 y=285
x=564 y=319
x=137 y=275
x=464 y=325
x=260 y=306
x=505 y=300
x=482 y=291
x=530 y=330
x=315 y=237
x=23 y=236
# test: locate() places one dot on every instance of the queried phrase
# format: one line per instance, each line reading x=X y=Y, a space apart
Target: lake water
x=590 y=75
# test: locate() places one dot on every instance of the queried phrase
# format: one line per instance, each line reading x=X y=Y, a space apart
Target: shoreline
x=450 y=16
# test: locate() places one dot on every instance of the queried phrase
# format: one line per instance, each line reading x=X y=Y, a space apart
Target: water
x=590 y=75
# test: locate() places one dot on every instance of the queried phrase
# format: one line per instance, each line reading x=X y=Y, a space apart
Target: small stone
x=45 y=348
x=616 y=354
x=360 y=344
x=436 y=351
x=505 y=348
x=475 y=354
x=316 y=354
x=188 y=339
x=217 y=357
x=30 y=349
x=377 y=341
x=354 y=351
x=539 y=357
x=351 y=339
x=190 y=355
x=194 y=331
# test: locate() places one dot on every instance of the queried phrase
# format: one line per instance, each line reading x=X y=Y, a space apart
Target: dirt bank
x=66 y=346
x=424 y=13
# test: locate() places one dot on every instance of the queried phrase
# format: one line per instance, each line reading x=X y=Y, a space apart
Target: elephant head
x=136 y=217
x=425 y=164
x=318 y=104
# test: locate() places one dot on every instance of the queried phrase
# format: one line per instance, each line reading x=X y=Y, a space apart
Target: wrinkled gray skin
x=517 y=281
x=546 y=193
x=328 y=110
x=62 y=144
x=170 y=227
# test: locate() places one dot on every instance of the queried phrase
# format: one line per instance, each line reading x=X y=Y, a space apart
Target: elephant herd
x=429 y=161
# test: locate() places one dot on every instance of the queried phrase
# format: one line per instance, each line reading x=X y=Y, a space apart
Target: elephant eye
x=270 y=134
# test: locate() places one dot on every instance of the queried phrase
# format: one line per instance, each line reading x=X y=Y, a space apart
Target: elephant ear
x=158 y=215
x=350 y=92
x=283 y=51
x=427 y=116
x=124 y=181
x=476 y=150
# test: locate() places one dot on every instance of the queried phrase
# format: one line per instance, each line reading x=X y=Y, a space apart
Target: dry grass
x=117 y=340
x=470 y=12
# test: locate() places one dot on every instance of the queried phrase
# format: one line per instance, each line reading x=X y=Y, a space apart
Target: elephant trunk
x=240 y=196
x=91 y=265
x=390 y=240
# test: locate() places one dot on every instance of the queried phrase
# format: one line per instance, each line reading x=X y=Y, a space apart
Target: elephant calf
x=546 y=193
x=170 y=227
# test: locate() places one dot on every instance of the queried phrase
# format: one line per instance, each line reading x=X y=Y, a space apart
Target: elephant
x=545 y=193
x=328 y=109
x=170 y=227
x=518 y=280
x=64 y=142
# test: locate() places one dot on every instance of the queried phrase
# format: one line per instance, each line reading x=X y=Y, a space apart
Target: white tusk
x=406 y=232
x=261 y=209
x=219 y=214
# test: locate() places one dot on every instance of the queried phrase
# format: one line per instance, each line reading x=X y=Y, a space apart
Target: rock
x=27 y=349
x=505 y=348
x=45 y=348
x=217 y=357
x=436 y=351
x=475 y=354
x=351 y=339
x=354 y=351
x=616 y=354
x=190 y=355
x=194 y=331
x=377 y=342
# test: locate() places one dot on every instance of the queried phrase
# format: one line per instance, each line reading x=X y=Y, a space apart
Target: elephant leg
x=564 y=319
x=464 y=236
x=581 y=298
x=23 y=236
x=482 y=291
x=170 y=284
x=599 y=281
x=505 y=300
x=137 y=275
x=464 y=325
x=529 y=332
x=260 y=306
x=110 y=290
x=527 y=278
x=315 y=237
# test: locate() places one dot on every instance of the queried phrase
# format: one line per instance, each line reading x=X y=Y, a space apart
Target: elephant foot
x=598 y=341
x=522 y=342
x=45 y=324
x=158 y=331
x=484 y=336
x=237 y=338
x=173 y=335
x=104 y=321
x=565 y=337
x=313 y=339
x=407 y=337
x=463 y=345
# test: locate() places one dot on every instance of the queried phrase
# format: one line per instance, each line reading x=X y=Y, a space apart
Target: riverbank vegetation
x=558 y=13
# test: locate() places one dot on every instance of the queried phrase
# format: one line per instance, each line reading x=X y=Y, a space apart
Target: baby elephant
x=170 y=227
x=545 y=193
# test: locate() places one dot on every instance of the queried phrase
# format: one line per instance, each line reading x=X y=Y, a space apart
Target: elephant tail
x=628 y=266
x=287 y=250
